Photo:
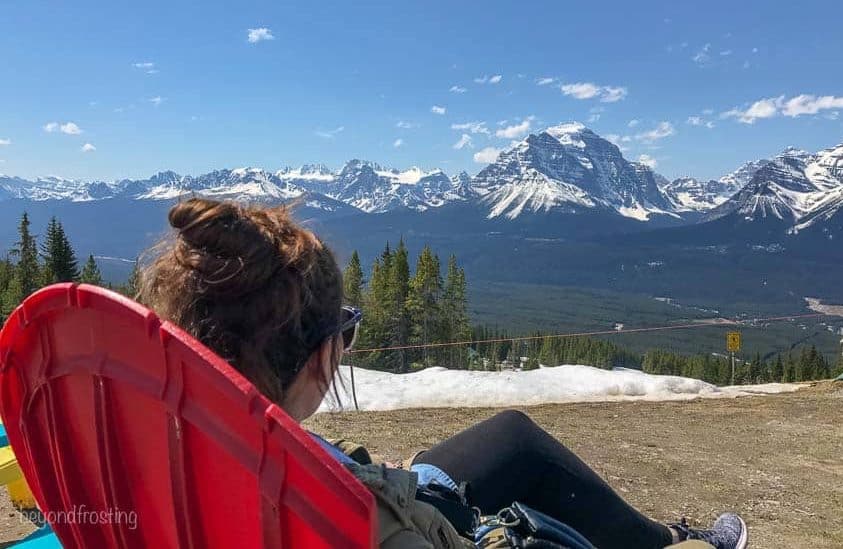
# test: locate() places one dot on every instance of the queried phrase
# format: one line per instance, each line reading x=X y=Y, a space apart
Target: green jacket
x=403 y=521
x=406 y=523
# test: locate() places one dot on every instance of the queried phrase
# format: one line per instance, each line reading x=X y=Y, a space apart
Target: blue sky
x=112 y=89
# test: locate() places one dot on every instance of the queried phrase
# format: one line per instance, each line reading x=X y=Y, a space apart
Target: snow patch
x=442 y=388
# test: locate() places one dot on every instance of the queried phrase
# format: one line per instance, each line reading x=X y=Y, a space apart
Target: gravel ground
x=777 y=460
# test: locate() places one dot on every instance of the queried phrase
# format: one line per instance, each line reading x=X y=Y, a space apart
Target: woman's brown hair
x=248 y=282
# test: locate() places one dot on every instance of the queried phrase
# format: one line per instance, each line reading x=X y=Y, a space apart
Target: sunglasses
x=349 y=326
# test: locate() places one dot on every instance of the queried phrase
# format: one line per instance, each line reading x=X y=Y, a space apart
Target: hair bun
x=208 y=224
x=195 y=211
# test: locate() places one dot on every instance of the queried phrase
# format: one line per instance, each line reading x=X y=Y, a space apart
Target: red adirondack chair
x=132 y=434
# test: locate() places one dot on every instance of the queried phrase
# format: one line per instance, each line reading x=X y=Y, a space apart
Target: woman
x=266 y=295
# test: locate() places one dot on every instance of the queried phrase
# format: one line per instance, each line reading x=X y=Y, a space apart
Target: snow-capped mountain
x=796 y=187
x=688 y=194
x=43 y=188
x=739 y=178
x=568 y=168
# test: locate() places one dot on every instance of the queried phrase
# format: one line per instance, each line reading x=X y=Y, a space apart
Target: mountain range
x=562 y=206
x=563 y=169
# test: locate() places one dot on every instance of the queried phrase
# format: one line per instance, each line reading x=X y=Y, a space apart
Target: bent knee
x=514 y=419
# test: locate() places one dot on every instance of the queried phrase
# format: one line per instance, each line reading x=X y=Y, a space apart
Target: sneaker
x=729 y=532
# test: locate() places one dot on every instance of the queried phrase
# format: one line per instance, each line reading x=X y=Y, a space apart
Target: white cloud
x=69 y=128
x=754 y=50
x=516 y=130
x=485 y=79
x=152 y=71
x=330 y=134
x=589 y=90
x=726 y=53
x=5 y=142
x=833 y=115
x=648 y=161
x=487 y=155
x=157 y=100
x=457 y=89
x=87 y=147
x=795 y=106
x=699 y=121
x=398 y=143
x=612 y=94
x=464 y=141
x=632 y=123
x=662 y=130
x=473 y=127
x=404 y=125
x=593 y=118
x=702 y=57
x=147 y=65
x=810 y=104
x=763 y=108
x=259 y=34
x=545 y=81
x=708 y=111
x=746 y=64
x=436 y=109
x=581 y=90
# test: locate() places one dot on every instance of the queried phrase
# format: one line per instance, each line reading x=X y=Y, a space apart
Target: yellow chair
x=11 y=476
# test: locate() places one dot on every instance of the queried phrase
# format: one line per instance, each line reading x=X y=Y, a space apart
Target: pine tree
x=455 y=311
x=132 y=286
x=789 y=375
x=777 y=373
x=25 y=279
x=7 y=271
x=7 y=274
x=352 y=279
x=838 y=371
x=27 y=251
x=423 y=302
x=399 y=287
x=379 y=304
x=91 y=273
x=753 y=374
x=59 y=260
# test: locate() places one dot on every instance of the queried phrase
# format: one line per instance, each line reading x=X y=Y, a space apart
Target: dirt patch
x=777 y=460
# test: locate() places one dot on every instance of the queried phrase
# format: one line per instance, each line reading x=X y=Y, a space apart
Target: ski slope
x=443 y=388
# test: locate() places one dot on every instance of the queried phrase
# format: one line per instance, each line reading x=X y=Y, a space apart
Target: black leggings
x=509 y=458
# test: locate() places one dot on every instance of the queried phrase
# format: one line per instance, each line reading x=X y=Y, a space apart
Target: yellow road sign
x=733 y=342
